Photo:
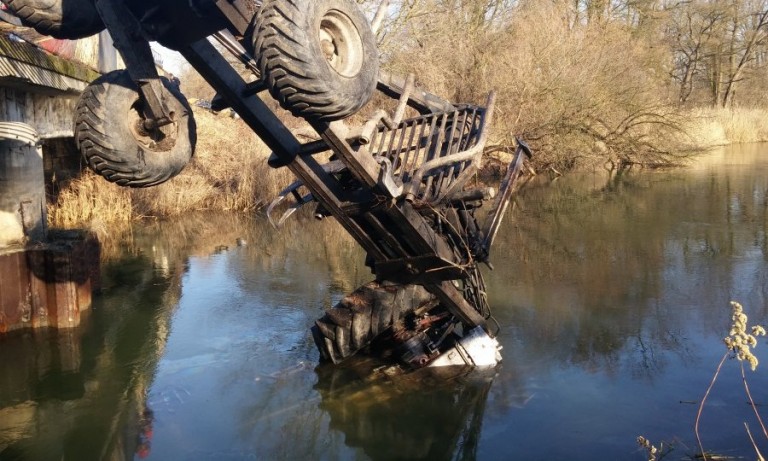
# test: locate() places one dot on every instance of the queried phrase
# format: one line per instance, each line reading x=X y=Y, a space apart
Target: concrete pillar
x=22 y=185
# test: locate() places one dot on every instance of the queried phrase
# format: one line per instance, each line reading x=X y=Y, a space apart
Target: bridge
x=44 y=282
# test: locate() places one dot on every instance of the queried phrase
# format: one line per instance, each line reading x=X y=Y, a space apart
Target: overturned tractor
x=402 y=187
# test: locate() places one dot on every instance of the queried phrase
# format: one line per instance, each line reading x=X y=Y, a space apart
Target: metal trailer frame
x=397 y=186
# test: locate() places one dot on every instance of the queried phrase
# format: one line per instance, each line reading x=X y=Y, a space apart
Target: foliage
x=740 y=344
x=589 y=82
x=740 y=341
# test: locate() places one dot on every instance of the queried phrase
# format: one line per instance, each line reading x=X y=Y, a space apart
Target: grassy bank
x=228 y=172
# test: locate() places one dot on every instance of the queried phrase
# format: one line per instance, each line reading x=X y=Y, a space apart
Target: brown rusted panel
x=81 y=259
x=92 y=261
x=12 y=296
x=70 y=356
x=67 y=311
x=39 y=295
x=33 y=288
x=48 y=286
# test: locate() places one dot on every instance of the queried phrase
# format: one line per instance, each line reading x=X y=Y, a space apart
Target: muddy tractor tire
x=67 y=19
x=361 y=316
x=319 y=58
x=113 y=142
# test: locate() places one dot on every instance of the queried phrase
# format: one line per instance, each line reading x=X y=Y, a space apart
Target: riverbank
x=230 y=173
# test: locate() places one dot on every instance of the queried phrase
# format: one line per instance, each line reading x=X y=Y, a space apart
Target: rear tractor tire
x=111 y=137
x=65 y=19
x=318 y=58
x=361 y=316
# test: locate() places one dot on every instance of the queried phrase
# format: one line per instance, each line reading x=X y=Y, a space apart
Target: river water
x=612 y=294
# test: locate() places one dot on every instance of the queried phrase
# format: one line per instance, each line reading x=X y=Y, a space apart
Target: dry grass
x=90 y=201
x=717 y=126
x=228 y=173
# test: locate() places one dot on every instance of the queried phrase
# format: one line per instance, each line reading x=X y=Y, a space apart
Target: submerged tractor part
x=401 y=183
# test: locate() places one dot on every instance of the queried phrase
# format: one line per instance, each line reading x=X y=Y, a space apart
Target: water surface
x=611 y=292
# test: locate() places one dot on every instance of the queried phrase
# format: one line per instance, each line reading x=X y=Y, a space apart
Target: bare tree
x=692 y=32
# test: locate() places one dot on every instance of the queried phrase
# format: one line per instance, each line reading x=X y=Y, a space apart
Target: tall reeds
x=709 y=127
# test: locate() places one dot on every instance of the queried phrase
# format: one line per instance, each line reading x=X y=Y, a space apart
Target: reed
x=709 y=127
x=90 y=201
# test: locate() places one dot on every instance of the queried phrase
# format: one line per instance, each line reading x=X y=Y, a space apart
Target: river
x=612 y=294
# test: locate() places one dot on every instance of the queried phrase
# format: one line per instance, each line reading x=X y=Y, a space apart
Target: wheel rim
x=160 y=139
x=341 y=44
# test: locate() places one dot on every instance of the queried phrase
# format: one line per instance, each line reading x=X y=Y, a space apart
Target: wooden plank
x=415 y=230
x=385 y=234
x=419 y=269
x=360 y=163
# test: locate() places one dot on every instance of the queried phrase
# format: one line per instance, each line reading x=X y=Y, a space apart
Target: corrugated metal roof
x=19 y=55
x=19 y=72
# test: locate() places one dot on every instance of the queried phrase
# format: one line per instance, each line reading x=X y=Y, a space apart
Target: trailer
x=403 y=188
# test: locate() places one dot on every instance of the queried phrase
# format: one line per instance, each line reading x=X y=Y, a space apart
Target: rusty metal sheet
x=10 y=291
x=50 y=286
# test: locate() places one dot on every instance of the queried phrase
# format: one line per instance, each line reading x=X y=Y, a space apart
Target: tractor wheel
x=68 y=19
x=362 y=315
x=319 y=58
x=113 y=141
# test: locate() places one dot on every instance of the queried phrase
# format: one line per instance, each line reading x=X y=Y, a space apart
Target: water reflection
x=619 y=281
x=430 y=414
x=612 y=294
x=616 y=264
x=81 y=393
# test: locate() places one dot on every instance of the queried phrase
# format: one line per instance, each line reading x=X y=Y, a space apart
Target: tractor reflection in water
x=375 y=410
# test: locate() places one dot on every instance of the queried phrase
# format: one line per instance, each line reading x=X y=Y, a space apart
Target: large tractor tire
x=319 y=58
x=113 y=142
x=67 y=19
x=361 y=316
